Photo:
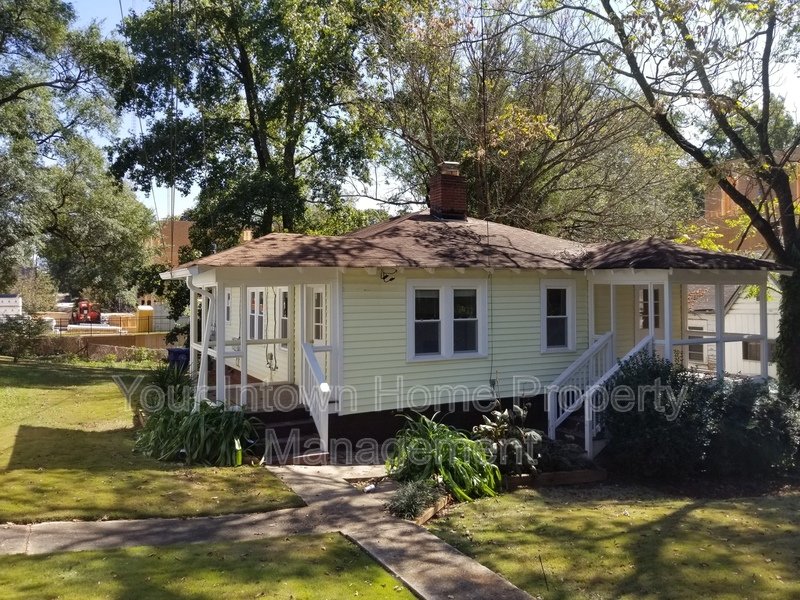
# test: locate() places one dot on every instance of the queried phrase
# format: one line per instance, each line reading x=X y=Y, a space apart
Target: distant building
x=741 y=309
x=172 y=235
x=10 y=305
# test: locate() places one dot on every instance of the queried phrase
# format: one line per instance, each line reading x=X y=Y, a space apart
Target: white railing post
x=588 y=424
x=315 y=391
x=552 y=401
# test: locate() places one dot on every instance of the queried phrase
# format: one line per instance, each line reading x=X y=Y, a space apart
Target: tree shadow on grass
x=75 y=449
x=51 y=375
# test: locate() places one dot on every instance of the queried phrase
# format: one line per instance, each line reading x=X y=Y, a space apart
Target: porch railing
x=565 y=393
x=591 y=426
x=315 y=390
x=582 y=382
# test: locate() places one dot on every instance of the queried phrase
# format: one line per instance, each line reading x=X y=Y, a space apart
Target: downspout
x=202 y=375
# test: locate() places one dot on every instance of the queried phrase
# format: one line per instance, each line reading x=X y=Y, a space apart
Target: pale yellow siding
x=375 y=339
x=627 y=315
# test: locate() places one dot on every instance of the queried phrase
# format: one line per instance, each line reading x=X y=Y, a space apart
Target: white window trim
x=445 y=288
x=256 y=312
x=569 y=285
x=288 y=318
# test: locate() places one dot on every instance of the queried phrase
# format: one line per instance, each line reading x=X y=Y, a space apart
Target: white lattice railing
x=315 y=390
x=582 y=382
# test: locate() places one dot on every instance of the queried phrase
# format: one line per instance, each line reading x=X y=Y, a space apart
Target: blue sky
x=107 y=13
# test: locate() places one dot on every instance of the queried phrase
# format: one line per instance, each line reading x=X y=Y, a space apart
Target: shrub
x=207 y=435
x=160 y=437
x=722 y=429
x=512 y=447
x=413 y=497
x=755 y=431
x=649 y=440
x=427 y=449
x=558 y=455
x=19 y=336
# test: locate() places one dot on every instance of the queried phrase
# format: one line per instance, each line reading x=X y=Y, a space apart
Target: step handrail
x=315 y=390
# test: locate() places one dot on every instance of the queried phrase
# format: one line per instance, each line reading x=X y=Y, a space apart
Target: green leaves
x=426 y=449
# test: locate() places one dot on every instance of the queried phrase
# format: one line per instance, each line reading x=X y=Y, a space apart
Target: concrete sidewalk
x=428 y=566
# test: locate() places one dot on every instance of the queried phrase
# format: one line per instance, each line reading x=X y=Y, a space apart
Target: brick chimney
x=448 y=192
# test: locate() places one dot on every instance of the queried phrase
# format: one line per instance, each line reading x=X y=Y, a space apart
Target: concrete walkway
x=425 y=564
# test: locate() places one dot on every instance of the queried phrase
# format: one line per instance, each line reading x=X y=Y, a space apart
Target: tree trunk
x=788 y=344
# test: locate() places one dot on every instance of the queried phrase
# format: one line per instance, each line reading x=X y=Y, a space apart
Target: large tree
x=51 y=91
x=254 y=100
x=94 y=234
x=703 y=72
x=543 y=147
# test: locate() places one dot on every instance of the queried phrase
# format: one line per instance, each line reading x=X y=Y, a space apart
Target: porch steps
x=288 y=437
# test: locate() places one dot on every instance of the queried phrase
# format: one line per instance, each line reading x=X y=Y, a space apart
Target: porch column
x=220 y=343
x=207 y=311
x=192 y=330
x=613 y=303
x=719 y=310
x=666 y=305
x=591 y=313
x=763 y=328
x=244 y=335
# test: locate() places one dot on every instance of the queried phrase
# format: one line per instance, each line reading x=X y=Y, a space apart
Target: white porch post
x=220 y=343
x=613 y=303
x=202 y=377
x=651 y=317
x=592 y=332
x=719 y=310
x=192 y=330
x=763 y=328
x=244 y=336
x=667 y=309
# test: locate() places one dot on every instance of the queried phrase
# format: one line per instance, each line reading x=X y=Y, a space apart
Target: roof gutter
x=178 y=273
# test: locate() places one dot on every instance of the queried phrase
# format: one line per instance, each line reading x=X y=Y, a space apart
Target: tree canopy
x=543 y=142
x=253 y=100
x=57 y=198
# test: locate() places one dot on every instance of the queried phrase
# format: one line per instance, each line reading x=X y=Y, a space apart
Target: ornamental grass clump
x=426 y=450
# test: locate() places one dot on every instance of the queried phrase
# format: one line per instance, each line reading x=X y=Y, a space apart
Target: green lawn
x=296 y=568
x=630 y=542
x=66 y=441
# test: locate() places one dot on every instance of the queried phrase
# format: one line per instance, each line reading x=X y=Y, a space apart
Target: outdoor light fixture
x=388 y=275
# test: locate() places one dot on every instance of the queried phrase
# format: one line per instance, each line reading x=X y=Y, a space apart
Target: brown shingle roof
x=424 y=241
x=414 y=240
x=654 y=253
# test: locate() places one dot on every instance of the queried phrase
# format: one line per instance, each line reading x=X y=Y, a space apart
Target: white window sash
x=447 y=319
x=571 y=316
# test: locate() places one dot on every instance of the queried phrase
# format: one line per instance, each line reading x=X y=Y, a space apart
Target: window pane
x=426 y=337
x=556 y=302
x=465 y=336
x=426 y=305
x=465 y=304
x=556 y=332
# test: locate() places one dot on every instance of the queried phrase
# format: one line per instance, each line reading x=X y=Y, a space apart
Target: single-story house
x=435 y=306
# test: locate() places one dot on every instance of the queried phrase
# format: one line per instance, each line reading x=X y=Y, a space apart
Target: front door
x=642 y=315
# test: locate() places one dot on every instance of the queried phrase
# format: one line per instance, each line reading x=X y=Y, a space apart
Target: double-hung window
x=256 y=317
x=558 y=315
x=695 y=352
x=446 y=320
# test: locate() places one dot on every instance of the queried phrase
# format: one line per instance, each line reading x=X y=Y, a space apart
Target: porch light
x=324 y=387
